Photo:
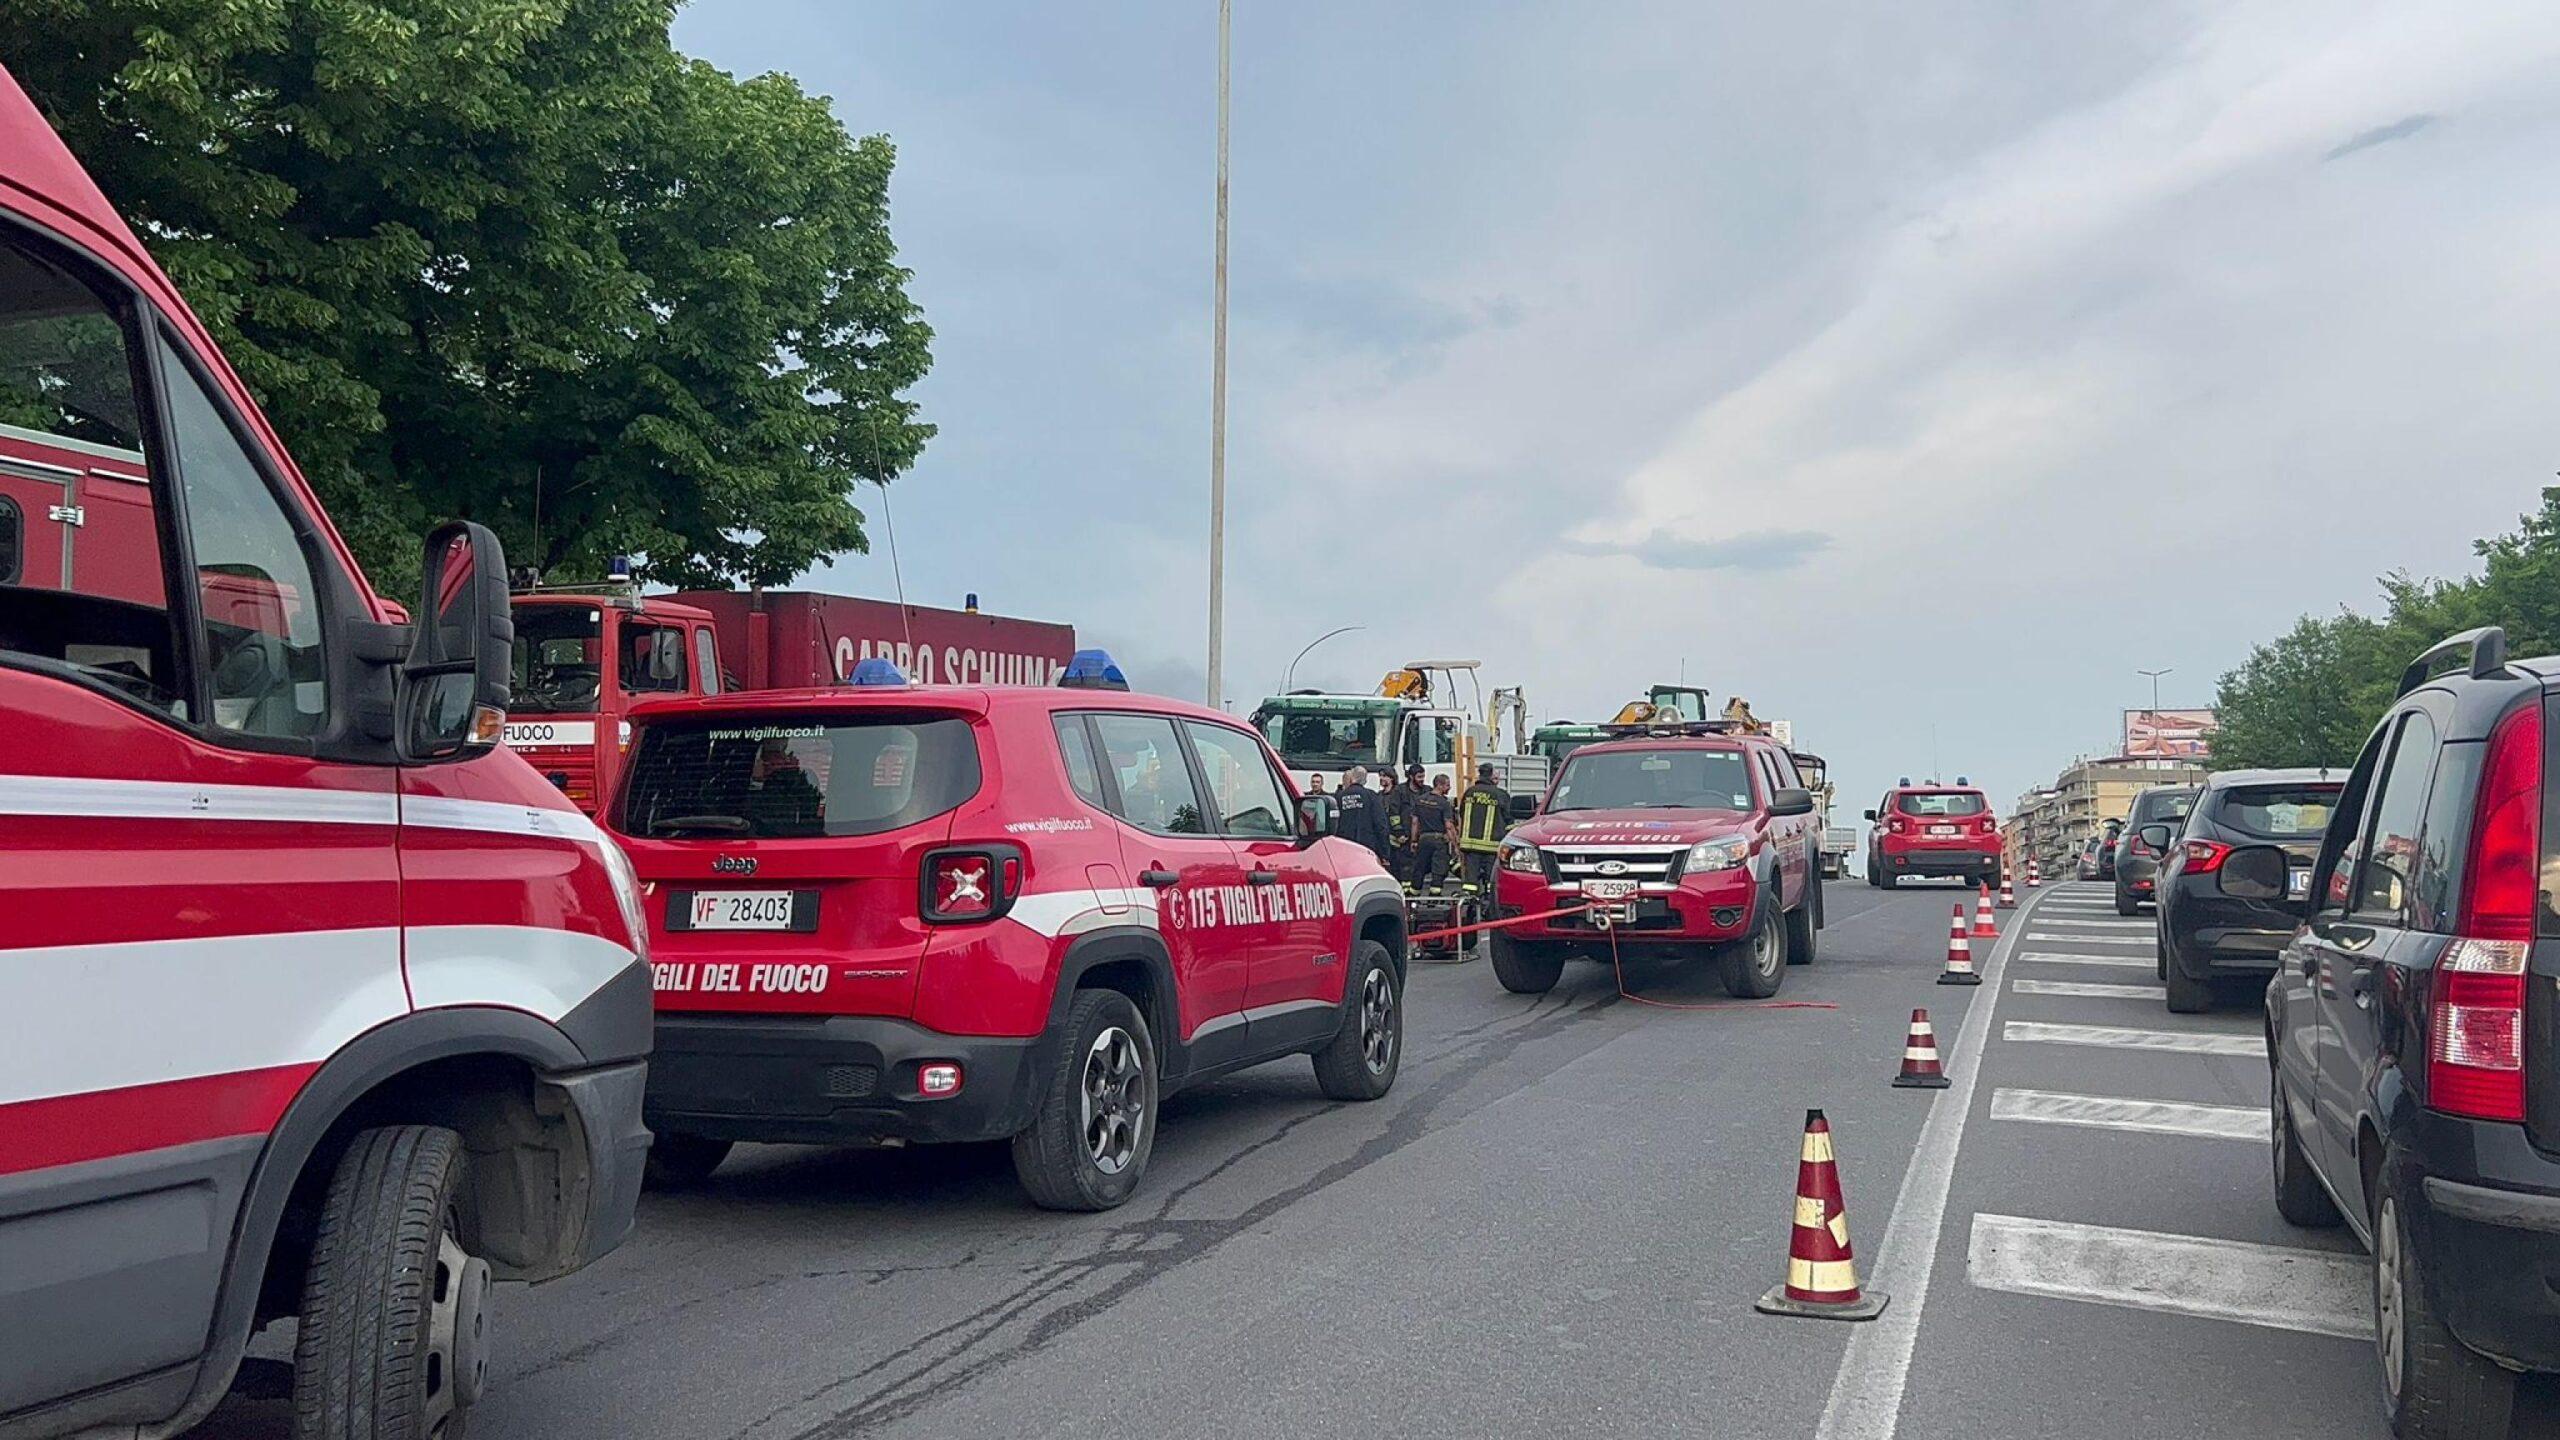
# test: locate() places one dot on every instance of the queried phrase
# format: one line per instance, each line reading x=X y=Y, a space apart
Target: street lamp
x=1218 y=400
x=1292 y=672
x=2155 y=684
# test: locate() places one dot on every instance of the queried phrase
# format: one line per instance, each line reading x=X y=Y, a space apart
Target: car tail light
x=2205 y=856
x=966 y=885
x=2475 y=1030
x=2475 y=1021
x=2139 y=850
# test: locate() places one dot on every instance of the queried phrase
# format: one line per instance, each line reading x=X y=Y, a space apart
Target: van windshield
x=559 y=659
x=796 y=778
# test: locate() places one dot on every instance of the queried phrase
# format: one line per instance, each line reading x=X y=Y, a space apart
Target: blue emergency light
x=1906 y=781
x=1962 y=781
x=618 y=569
x=878 y=670
x=1092 y=670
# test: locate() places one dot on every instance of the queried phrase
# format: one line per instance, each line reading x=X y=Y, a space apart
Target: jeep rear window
x=798 y=778
x=1939 y=804
x=1654 y=780
x=2277 y=812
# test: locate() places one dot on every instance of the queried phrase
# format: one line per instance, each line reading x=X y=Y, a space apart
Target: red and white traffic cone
x=1822 y=1276
x=1959 y=969
x=1984 y=927
x=2008 y=893
x=2034 y=876
x=1920 y=1057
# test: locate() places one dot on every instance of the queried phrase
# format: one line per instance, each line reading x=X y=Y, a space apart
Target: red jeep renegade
x=885 y=912
x=1680 y=835
x=1933 y=830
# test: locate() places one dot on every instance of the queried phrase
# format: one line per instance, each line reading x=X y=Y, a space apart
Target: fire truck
x=587 y=654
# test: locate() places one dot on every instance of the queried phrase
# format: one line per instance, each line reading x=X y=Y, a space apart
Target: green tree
x=516 y=260
x=2310 y=696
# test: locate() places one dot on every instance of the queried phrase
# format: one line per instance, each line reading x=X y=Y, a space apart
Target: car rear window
x=1941 y=803
x=2159 y=806
x=2277 y=812
x=798 y=779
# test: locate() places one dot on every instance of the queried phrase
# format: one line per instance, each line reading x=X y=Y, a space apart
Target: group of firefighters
x=1416 y=827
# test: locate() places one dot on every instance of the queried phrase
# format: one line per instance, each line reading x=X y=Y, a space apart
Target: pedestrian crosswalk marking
x=2187 y=1041
x=2088 y=939
x=2111 y=962
x=2281 y=1288
x=2158 y=1117
x=2094 y=990
x=2093 y=924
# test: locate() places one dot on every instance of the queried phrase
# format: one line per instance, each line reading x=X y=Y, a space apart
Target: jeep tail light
x=1990 y=825
x=1895 y=826
x=2205 y=856
x=2475 y=1030
x=965 y=885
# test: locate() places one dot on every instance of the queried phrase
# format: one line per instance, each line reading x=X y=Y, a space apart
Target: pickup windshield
x=797 y=779
x=1653 y=780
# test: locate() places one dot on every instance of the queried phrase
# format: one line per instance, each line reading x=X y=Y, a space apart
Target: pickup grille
x=1569 y=866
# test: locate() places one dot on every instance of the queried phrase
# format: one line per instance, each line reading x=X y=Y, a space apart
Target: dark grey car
x=2137 y=862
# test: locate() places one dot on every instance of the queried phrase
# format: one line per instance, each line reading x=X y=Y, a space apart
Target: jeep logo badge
x=734 y=864
x=1611 y=867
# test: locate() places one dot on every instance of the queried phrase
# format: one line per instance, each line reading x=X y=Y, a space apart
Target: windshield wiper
x=699 y=825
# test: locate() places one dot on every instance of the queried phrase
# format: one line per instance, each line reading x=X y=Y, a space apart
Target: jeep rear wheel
x=1756 y=965
x=1088 y=1143
x=1360 y=1062
x=394 y=1338
x=1526 y=967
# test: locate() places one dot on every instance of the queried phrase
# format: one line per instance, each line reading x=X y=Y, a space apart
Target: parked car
x=2205 y=933
x=2413 y=1031
x=1928 y=830
x=2137 y=865
x=919 y=913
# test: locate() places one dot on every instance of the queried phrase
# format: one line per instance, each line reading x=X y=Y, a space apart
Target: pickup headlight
x=1521 y=858
x=1725 y=854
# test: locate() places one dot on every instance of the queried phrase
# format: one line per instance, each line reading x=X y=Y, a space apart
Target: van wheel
x=678 y=1161
x=1756 y=965
x=1361 y=1060
x=394 y=1338
x=1802 y=923
x=1089 y=1141
x=2300 y=1198
x=1525 y=967
x=2434 y=1387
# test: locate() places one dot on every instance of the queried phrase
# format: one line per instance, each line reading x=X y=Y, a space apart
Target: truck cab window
x=83 y=592
x=706 y=660
x=652 y=660
x=264 y=659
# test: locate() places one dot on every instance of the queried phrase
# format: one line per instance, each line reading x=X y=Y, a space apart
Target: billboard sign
x=2168 y=734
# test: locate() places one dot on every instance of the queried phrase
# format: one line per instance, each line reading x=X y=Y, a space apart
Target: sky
x=1920 y=373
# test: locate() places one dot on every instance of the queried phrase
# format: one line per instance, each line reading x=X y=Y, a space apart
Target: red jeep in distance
x=1925 y=830
x=1697 y=836
x=896 y=913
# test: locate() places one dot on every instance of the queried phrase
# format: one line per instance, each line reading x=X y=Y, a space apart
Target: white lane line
x=2186 y=1041
x=2111 y=962
x=2156 y=1117
x=1866 y=1391
x=2097 y=924
x=2061 y=939
x=2090 y=989
x=2311 y=1291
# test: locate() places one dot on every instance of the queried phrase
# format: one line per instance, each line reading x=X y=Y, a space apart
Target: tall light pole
x=1292 y=672
x=1218 y=400
x=2155 y=684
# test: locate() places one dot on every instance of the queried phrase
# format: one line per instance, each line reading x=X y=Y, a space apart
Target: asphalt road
x=1555 y=1225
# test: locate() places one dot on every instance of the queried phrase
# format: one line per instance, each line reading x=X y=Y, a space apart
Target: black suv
x=2137 y=859
x=2204 y=932
x=2413 y=1032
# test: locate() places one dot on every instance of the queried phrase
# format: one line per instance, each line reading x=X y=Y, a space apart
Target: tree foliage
x=516 y=260
x=2310 y=696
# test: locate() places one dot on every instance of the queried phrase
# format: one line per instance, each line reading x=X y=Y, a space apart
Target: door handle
x=1160 y=879
x=1262 y=877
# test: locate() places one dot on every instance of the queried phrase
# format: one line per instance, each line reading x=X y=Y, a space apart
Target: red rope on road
x=1617 y=963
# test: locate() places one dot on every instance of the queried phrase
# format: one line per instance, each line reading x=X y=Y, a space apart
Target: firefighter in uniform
x=1432 y=814
x=1357 y=815
x=1394 y=802
x=1484 y=812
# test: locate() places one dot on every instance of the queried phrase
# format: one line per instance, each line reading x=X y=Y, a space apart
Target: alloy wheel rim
x=2387 y=1298
x=1378 y=1021
x=1113 y=1097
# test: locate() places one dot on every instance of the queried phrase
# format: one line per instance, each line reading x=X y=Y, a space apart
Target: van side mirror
x=1523 y=806
x=1791 y=800
x=454 y=683
x=1316 y=815
x=2258 y=872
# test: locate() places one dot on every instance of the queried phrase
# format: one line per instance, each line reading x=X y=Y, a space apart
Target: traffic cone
x=2008 y=893
x=1959 y=969
x=1920 y=1057
x=2034 y=878
x=1822 y=1276
x=1984 y=927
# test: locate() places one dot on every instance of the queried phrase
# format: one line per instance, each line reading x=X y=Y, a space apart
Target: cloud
x=1758 y=550
x=2400 y=129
